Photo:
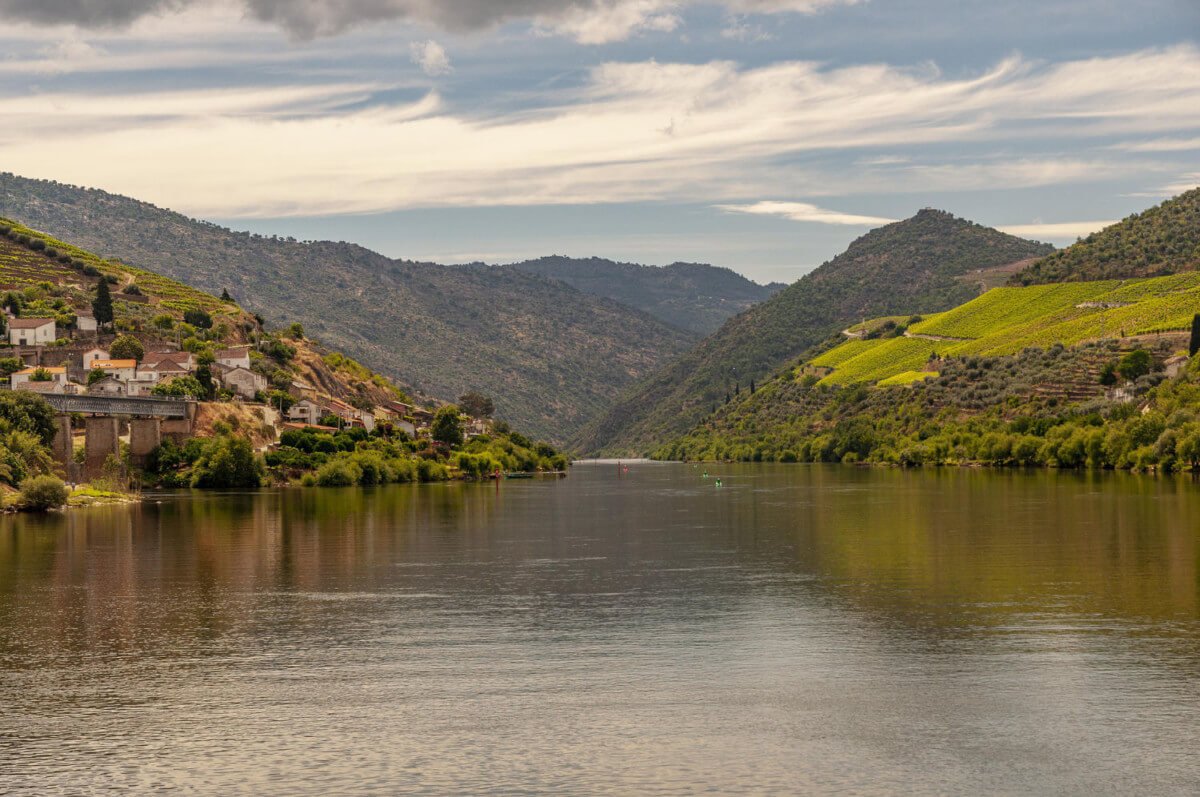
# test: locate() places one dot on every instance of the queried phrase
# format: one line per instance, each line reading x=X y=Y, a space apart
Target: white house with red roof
x=32 y=331
x=235 y=357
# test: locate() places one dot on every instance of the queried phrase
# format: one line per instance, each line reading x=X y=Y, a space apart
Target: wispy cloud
x=1056 y=231
x=1161 y=145
x=633 y=131
x=802 y=211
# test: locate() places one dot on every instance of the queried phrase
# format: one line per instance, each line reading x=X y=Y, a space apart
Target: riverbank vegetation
x=316 y=457
x=1037 y=408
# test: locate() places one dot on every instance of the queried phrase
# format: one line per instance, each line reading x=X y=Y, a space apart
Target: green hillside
x=691 y=296
x=1043 y=407
x=916 y=265
x=551 y=356
x=1162 y=240
x=1006 y=320
x=59 y=279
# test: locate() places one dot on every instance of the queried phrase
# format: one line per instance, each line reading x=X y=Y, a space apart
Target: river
x=802 y=629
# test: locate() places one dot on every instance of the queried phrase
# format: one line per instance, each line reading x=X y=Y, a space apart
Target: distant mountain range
x=553 y=341
x=1162 y=240
x=923 y=264
x=692 y=296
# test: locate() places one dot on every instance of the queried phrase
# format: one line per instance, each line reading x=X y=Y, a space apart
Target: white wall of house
x=305 y=412
x=37 y=336
x=245 y=383
x=58 y=375
x=235 y=358
x=124 y=374
x=91 y=355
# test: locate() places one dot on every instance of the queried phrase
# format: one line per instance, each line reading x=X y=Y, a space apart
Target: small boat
x=518 y=475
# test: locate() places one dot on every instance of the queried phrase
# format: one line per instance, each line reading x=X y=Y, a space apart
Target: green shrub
x=338 y=473
x=41 y=493
x=228 y=462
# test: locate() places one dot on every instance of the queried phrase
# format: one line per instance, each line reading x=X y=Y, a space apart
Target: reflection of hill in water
x=952 y=548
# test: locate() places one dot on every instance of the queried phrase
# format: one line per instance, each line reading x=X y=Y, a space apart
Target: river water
x=802 y=629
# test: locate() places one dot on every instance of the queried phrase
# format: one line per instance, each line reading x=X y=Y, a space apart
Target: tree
x=27 y=412
x=1108 y=375
x=227 y=462
x=127 y=347
x=204 y=378
x=102 y=306
x=41 y=375
x=1136 y=363
x=9 y=366
x=225 y=297
x=477 y=405
x=198 y=318
x=447 y=427
x=1194 y=345
x=181 y=387
x=95 y=375
x=296 y=331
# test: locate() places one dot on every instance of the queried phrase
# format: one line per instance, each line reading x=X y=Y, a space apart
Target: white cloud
x=1056 y=231
x=1161 y=145
x=802 y=211
x=431 y=57
x=1186 y=183
x=633 y=132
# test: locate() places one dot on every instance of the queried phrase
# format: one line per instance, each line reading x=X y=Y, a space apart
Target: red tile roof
x=28 y=323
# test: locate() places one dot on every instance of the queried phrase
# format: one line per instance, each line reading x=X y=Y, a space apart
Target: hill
x=1005 y=321
x=922 y=264
x=49 y=278
x=1047 y=407
x=551 y=356
x=1162 y=240
x=691 y=296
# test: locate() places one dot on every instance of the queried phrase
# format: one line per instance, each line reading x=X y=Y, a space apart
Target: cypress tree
x=225 y=297
x=1194 y=345
x=102 y=307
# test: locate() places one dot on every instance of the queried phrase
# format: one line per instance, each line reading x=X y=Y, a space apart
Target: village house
x=163 y=369
x=170 y=361
x=243 y=382
x=143 y=382
x=85 y=321
x=32 y=331
x=236 y=357
x=108 y=386
x=55 y=388
x=58 y=376
x=120 y=369
x=92 y=355
x=299 y=389
x=306 y=411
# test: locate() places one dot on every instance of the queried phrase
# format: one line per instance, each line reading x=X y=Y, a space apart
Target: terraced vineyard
x=884 y=359
x=1005 y=321
x=29 y=258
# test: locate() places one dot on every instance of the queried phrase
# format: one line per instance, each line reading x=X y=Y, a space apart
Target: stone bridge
x=149 y=419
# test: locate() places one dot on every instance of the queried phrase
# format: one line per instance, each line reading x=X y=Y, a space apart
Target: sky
x=762 y=135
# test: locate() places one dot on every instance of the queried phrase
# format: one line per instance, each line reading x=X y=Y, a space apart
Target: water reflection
x=802 y=627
